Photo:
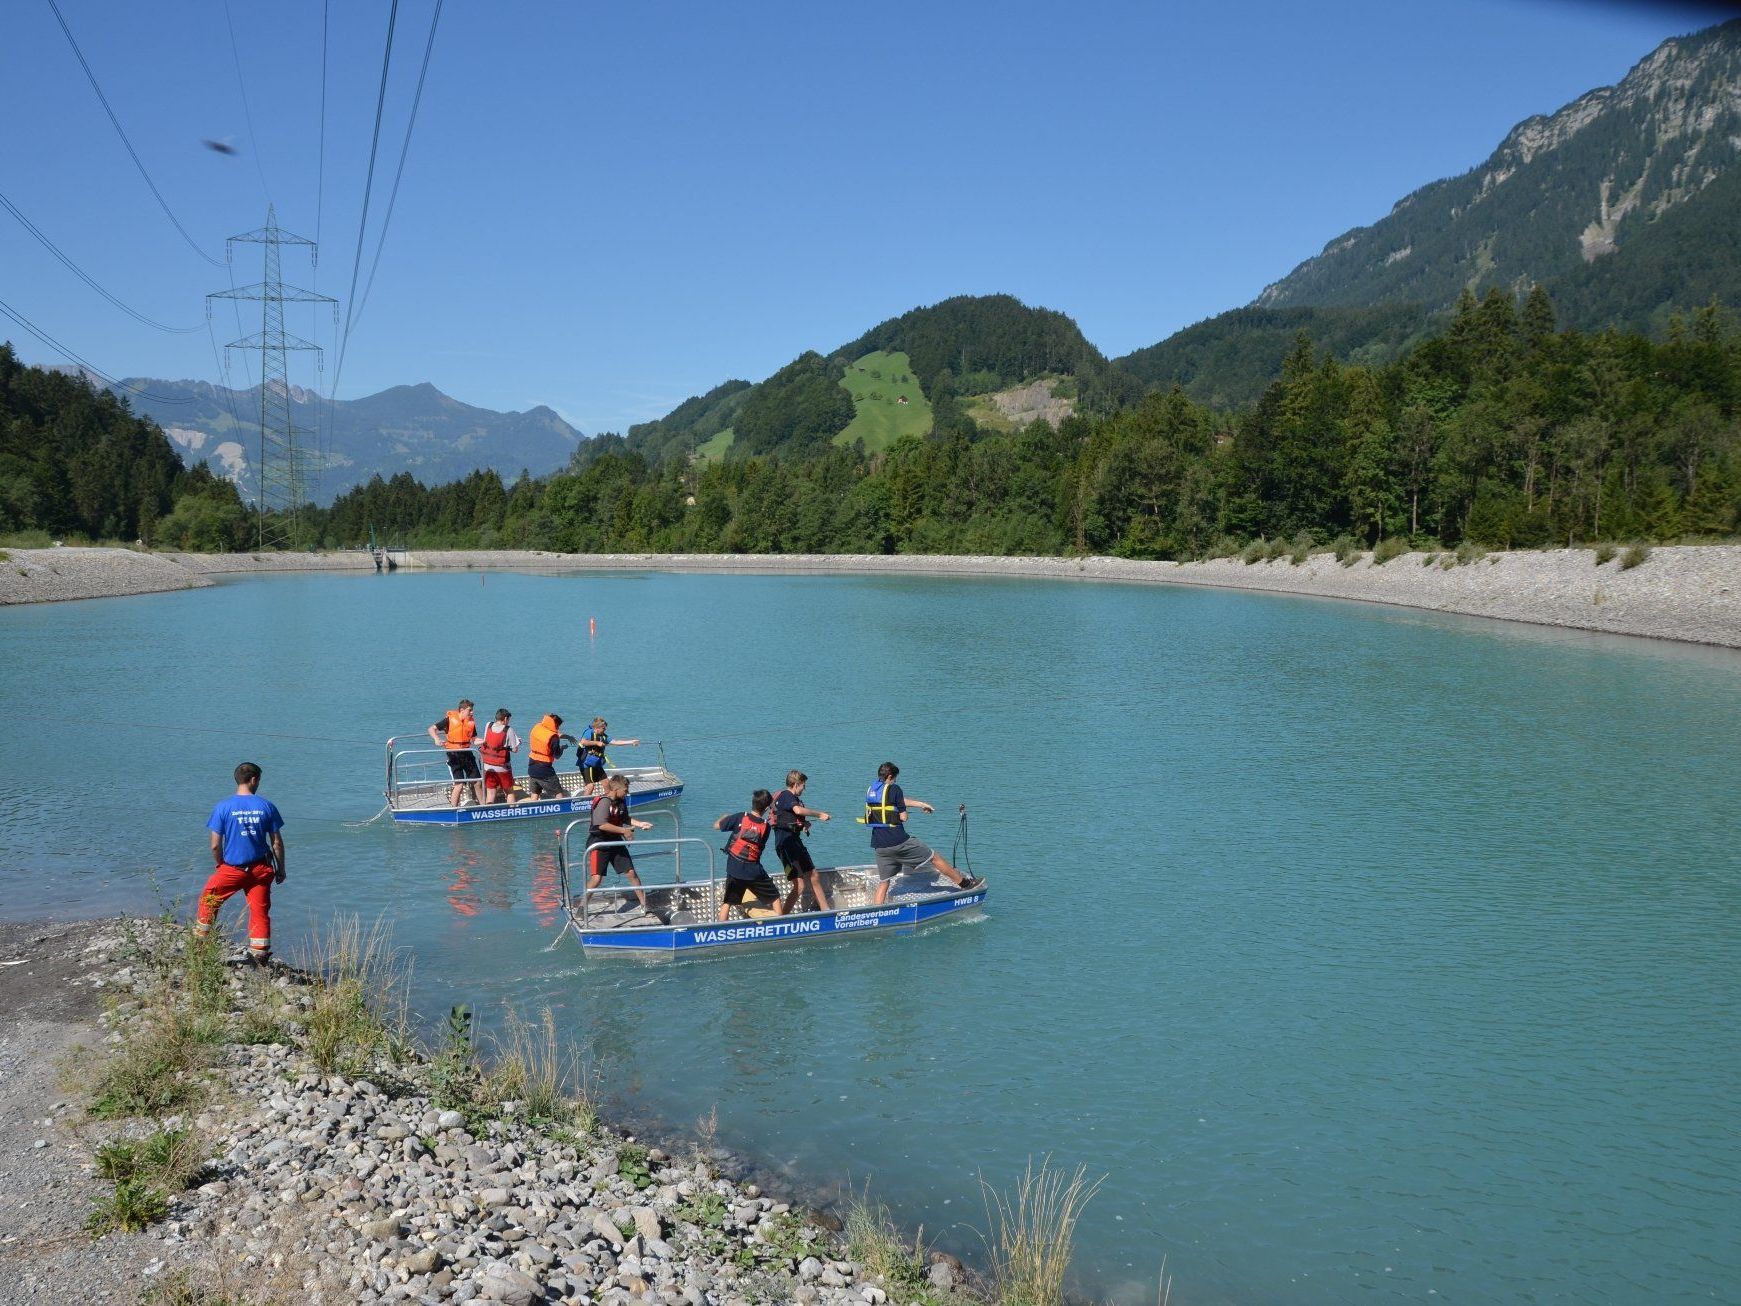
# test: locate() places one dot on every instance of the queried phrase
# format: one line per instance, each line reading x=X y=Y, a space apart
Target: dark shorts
x=462 y=766
x=793 y=854
x=761 y=888
x=600 y=860
x=544 y=785
x=913 y=855
x=498 y=780
x=592 y=772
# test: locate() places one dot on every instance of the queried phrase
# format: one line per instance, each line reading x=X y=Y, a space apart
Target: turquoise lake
x=1368 y=954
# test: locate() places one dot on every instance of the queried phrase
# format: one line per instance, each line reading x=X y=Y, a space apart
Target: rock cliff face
x=1592 y=181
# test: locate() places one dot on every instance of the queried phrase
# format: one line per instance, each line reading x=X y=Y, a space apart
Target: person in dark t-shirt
x=750 y=832
x=897 y=852
x=610 y=823
x=791 y=820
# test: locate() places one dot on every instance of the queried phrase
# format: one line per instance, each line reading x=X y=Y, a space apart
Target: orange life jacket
x=493 y=747
x=749 y=838
x=542 y=735
x=461 y=730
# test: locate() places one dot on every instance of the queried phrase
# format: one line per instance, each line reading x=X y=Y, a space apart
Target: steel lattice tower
x=283 y=458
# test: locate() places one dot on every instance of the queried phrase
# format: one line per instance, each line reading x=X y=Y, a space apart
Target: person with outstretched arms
x=897 y=852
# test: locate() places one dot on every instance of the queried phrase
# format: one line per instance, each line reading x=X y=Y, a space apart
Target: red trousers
x=256 y=881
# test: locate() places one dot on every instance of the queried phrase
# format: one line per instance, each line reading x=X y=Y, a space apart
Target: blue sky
x=611 y=207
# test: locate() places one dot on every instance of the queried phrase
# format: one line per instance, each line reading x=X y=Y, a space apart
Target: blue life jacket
x=877 y=810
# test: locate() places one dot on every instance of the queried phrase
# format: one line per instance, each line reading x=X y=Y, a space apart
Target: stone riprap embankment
x=1683 y=592
x=325 y=1188
x=49 y=575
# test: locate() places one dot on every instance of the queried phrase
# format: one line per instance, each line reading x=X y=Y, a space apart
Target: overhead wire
x=86 y=277
x=323 y=405
x=368 y=186
x=122 y=133
x=247 y=113
x=83 y=362
x=399 y=173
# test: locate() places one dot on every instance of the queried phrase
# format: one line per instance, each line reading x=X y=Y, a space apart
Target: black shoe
x=973 y=882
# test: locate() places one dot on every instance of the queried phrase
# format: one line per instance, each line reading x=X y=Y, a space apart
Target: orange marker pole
x=592 y=627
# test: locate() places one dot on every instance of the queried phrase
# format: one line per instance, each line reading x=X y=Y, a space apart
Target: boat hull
x=527 y=809
x=807 y=927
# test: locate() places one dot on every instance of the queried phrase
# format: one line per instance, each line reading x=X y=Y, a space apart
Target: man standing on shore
x=248 y=852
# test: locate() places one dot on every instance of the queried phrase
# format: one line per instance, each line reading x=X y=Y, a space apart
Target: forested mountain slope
x=1625 y=204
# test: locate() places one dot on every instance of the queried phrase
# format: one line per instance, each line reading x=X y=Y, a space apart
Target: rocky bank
x=306 y=1185
x=1680 y=592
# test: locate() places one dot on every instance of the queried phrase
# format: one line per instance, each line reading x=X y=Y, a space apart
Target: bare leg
x=882 y=892
x=822 y=903
x=453 y=798
x=948 y=871
x=642 y=897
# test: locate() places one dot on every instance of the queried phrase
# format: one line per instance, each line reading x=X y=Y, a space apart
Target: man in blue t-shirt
x=248 y=851
x=897 y=852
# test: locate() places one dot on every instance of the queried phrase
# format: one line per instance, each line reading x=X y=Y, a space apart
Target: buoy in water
x=592 y=627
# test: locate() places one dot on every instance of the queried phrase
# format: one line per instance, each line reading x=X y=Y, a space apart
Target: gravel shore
x=1683 y=592
x=304 y=1186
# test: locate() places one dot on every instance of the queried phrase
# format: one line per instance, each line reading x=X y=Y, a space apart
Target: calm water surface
x=1366 y=953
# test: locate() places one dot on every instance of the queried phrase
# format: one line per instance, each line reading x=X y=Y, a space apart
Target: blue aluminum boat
x=680 y=914
x=419 y=789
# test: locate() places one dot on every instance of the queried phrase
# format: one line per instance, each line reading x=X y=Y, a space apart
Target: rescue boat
x=681 y=912
x=419 y=788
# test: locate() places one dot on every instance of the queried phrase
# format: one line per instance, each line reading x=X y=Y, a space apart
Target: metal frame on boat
x=681 y=914
x=418 y=788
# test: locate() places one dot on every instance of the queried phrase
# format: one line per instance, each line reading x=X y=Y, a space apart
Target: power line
x=84 y=276
x=121 y=132
x=247 y=113
x=368 y=186
x=322 y=405
x=85 y=363
x=404 y=150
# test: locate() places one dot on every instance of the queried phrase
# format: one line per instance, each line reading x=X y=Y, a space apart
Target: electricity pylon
x=282 y=475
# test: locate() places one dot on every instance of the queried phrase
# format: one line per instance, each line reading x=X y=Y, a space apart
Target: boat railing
x=580 y=900
x=423 y=767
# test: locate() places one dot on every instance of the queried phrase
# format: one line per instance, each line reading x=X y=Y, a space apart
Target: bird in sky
x=220 y=147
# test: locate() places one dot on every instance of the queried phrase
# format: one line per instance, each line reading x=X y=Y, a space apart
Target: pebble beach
x=1679 y=592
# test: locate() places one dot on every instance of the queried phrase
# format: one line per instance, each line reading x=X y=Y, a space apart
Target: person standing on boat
x=610 y=824
x=592 y=747
x=897 y=852
x=542 y=753
x=791 y=820
x=750 y=832
x=248 y=857
x=497 y=748
x=455 y=733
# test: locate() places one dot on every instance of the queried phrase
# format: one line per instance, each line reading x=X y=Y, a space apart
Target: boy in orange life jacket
x=455 y=733
x=497 y=747
x=610 y=823
x=750 y=832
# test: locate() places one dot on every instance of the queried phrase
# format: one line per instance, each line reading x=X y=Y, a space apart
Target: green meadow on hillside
x=888 y=401
x=715 y=447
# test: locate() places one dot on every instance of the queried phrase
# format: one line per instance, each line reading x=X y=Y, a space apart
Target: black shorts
x=592 y=772
x=599 y=860
x=463 y=766
x=762 y=888
x=794 y=856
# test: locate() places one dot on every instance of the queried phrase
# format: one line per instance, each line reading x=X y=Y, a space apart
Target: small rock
x=505 y=1284
x=646 y=1222
x=942 y=1276
x=809 y=1268
x=423 y=1262
x=450 y=1120
x=382 y=1230
x=491 y=1198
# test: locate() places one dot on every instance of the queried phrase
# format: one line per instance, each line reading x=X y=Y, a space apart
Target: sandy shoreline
x=1688 y=593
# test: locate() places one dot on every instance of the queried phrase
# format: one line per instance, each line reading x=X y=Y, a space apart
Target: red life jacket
x=493 y=747
x=749 y=838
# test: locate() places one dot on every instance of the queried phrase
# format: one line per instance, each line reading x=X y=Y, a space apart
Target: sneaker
x=973 y=882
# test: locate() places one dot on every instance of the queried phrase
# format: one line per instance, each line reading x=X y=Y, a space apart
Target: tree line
x=76 y=462
x=1502 y=429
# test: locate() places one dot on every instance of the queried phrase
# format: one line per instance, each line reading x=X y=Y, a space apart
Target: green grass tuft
x=131 y=1207
x=1634 y=556
x=1605 y=552
x=1033 y=1232
x=1393 y=547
